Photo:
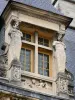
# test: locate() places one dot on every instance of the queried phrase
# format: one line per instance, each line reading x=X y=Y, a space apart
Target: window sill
x=31 y=43
x=37 y=76
x=44 y=47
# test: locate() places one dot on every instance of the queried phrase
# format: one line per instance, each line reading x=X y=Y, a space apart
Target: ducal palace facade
x=36 y=49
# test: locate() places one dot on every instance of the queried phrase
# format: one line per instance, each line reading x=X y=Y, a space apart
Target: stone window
x=36 y=52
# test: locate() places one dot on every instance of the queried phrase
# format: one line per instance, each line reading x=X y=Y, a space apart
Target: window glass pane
x=46 y=65
x=27 y=67
x=43 y=41
x=22 y=58
x=46 y=42
x=46 y=58
x=40 y=56
x=28 y=53
x=40 y=65
x=43 y=64
x=40 y=41
x=28 y=37
x=40 y=71
x=46 y=72
x=22 y=51
x=25 y=58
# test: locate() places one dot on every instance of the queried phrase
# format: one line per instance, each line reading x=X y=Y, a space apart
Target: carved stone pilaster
x=65 y=83
x=59 y=51
x=15 y=70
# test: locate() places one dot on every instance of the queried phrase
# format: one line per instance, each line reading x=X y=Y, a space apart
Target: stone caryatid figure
x=15 y=41
x=60 y=54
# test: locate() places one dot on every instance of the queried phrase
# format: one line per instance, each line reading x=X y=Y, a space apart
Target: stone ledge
x=37 y=76
x=18 y=91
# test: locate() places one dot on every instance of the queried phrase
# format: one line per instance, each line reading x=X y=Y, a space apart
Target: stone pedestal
x=65 y=84
x=14 y=72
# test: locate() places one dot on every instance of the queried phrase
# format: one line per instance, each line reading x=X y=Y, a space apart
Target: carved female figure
x=15 y=43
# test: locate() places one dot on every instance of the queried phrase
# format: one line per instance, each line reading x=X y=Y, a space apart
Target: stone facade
x=17 y=83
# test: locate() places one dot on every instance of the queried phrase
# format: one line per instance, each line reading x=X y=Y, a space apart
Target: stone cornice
x=11 y=89
x=38 y=13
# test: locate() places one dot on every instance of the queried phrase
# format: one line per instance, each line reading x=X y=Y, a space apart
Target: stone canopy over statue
x=60 y=54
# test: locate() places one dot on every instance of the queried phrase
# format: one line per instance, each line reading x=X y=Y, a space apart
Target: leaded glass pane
x=40 y=56
x=43 y=64
x=26 y=37
x=46 y=72
x=43 y=41
x=40 y=71
x=46 y=65
x=40 y=41
x=25 y=59
x=46 y=42
x=46 y=58
x=27 y=68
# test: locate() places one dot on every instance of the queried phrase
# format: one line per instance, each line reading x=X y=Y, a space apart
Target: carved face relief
x=15 y=23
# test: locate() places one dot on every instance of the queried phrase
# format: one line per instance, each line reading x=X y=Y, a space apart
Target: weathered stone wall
x=2 y=38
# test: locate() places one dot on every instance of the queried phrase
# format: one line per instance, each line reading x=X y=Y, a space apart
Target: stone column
x=60 y=55
x=36 y=53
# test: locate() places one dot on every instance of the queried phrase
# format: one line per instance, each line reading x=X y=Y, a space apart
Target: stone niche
x=36 y=84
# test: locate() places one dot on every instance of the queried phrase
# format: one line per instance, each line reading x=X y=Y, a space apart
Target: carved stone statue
x=15 y=43
x=60 y=55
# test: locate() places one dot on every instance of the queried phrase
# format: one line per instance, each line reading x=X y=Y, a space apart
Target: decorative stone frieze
x=36 y=84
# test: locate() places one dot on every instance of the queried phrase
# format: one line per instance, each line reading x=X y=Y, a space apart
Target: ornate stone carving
x=15 y=70
x=15 y=43
x=60 y=55
x=37 y=85
x=64 y=83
